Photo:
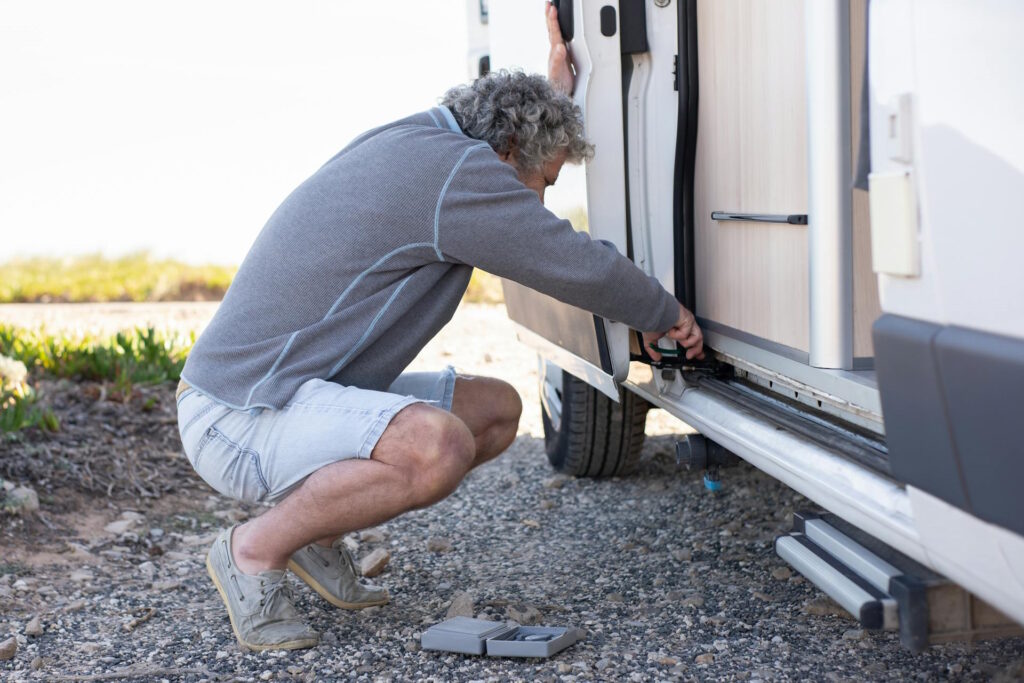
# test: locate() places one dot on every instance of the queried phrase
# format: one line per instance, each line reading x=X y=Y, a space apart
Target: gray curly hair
x=509 y=109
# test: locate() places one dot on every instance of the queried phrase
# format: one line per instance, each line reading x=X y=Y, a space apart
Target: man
x=293 y=394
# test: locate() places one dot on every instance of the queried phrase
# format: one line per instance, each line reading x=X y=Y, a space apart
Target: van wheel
x=586 y=434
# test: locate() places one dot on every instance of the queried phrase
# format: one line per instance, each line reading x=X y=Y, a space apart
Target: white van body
x=891 y=319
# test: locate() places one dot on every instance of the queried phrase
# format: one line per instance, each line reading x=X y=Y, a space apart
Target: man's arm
x=560 y=71
x=489 y=220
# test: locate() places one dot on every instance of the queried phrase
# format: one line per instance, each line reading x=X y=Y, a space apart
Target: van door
x=609 y=45
x=592 y=348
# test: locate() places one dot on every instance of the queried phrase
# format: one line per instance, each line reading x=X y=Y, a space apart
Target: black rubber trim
x=627 y=77
x=686 y=154
x=871 y=614
x=821 y=428
x=602 y=345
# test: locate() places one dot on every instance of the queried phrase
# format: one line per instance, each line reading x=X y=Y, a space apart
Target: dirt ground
x=666 y=580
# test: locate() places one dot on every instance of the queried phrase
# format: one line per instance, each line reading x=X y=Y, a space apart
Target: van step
x=884 y=589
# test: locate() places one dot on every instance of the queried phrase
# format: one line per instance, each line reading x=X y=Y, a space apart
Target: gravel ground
x=667 y=580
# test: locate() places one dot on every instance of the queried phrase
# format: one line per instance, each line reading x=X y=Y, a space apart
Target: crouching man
x=294 y=393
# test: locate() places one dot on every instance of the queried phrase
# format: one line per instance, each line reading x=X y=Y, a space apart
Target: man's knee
x=508 y=408
x=431 y=447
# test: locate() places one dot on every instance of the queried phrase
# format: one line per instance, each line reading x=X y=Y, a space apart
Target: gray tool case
x=497 y=638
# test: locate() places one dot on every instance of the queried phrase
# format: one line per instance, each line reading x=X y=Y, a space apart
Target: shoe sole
x=288 y=645
x=326 y=594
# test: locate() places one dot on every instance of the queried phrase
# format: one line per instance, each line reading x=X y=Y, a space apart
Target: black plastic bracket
x=565 y=22
x=632 y=27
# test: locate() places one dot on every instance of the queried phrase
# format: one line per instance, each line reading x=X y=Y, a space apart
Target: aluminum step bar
x=884 y=589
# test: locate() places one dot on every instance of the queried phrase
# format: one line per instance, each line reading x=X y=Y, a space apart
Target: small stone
x=706 y=658
x=615 y=597
x=22 y=500
x=294 y=670
x=412 y=646
x=163 y=586
x=81 y=575
x=20 y=585
x=781 y=573
x=119 y=526
x=526 y=615
x=462 y=606
x=764 y=597
x=373 y=535
x=133 y=516
x=34 y=627
x=694 y=601
x=8 y=648
x=854 y=634
x=266 y=675
x=532 y=523
x=546 y=504
x=156 y=533
x=564 y=668
x=37 y=664
x=824 y=606
x=602 y=664
x=955 y=668
x=147 y=569
x=682 y=555
x=668 y=661
x=555 y=482
x=374 y=563
x=439 y=545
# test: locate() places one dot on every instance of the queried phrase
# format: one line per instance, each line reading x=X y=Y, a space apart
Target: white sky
x=178 y=127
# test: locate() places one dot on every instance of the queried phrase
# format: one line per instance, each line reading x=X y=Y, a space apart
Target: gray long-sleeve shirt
x=367 y=259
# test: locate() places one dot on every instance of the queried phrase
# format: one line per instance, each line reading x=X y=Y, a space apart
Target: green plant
x=17 y=399
x=141 y=356
x=90 y=278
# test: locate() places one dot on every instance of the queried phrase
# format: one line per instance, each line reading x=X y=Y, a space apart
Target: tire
x=586 y=434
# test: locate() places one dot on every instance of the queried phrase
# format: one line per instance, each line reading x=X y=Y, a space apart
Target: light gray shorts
x=260 y=456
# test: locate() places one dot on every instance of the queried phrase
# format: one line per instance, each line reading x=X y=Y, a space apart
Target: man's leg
x=420 y=458
x=490 y=408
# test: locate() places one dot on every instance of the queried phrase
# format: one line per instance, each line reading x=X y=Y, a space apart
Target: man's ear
x=511 y=155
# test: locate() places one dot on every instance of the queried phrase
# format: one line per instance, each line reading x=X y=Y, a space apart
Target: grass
x=141 y=356
x=140 y=277
x=136 y=277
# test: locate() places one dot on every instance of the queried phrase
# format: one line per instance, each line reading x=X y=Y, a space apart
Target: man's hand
x=685 y=331
x=559 y=63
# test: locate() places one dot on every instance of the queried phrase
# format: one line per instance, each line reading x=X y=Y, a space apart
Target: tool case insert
x=496 y=638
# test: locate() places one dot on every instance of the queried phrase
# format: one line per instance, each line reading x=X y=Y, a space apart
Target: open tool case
x=497 y=638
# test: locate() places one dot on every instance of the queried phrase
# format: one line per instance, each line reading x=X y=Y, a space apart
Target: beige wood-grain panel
x=752 y=158
x=866 y=305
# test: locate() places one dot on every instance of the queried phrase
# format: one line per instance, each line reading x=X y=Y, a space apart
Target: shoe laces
x=346 y=556
x=273 y=592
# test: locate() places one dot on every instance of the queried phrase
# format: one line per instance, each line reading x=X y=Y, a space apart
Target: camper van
x=831 y=187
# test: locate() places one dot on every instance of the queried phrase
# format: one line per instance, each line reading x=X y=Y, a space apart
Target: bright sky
x=178 y=127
